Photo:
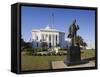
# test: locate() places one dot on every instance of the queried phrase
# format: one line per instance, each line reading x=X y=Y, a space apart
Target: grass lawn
x=30 y=62
x=38 y=62
x=88 y=53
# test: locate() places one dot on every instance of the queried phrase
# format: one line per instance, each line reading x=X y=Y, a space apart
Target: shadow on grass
x=89 y=59
x=83 y=61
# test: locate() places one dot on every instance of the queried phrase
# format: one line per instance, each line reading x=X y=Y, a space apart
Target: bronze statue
x=73 y=32
x=74 y=54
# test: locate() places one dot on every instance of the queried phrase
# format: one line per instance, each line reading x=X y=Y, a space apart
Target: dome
x=47 y=27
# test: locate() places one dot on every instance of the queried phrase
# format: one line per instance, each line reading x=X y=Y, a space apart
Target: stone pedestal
x=73 y=55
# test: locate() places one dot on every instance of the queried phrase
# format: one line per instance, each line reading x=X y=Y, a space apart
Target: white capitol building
x=51 y=36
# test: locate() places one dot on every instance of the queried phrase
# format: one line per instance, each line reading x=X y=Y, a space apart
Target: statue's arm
x=70 y=30
x=69 y=35
x=77 y=27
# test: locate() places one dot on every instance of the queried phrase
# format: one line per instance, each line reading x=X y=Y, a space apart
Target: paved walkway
x=61 y=64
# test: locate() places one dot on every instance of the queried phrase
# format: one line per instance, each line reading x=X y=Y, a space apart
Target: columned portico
x=52 y=37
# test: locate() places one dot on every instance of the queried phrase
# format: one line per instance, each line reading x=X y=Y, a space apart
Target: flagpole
x=52 y=28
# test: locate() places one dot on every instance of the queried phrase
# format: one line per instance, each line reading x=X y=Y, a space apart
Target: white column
x=54 y=40
x=58 y=39
x=51 y=39
x=35 y=40
x=47 y=39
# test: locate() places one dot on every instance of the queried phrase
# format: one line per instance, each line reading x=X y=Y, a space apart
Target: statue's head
x=74 y=21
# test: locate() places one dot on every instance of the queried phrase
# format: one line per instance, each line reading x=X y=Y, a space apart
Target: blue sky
x=39 y=17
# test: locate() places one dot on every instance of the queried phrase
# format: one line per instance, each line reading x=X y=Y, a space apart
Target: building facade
x=51 y=36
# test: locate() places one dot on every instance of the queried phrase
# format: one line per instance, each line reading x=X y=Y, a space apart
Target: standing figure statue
x=74 y=54
x=73 y=32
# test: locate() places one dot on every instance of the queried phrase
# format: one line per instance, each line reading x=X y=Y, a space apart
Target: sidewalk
x=61 y=64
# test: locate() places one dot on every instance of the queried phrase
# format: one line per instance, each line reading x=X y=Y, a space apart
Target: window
x=49 y=37
x=56 y=37
x=46 y=35
x=42 y=37
x=37 y=38
x=37 y=44
x=56 y=40
x=49 y=45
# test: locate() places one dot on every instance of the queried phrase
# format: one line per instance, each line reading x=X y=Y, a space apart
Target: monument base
x=76 y=63
x=73 y=56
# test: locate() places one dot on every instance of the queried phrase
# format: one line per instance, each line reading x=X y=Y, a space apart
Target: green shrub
x=59 y=53
x=35 y=54
x=44 y=49
x=38 y=49
x=44 y=54
x=39 y=54
x=49 y=54
x=64 y=53
x=28 y=53
x=53 y=53
x=62 y=49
